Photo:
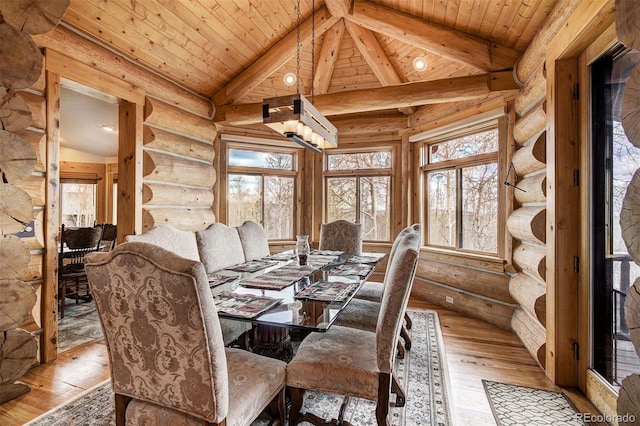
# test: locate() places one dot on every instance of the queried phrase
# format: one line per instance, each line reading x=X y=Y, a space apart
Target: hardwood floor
x=474 y=351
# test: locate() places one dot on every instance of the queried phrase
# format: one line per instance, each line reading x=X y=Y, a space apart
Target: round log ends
x=16 y=302
x=20 y=58
x=628 y=405
x=33 y=16
x=632 y=314
x=15 y=115
x=16 y=209
x=631 y=107
x=630 y=217
x=18 y=349
x=14 y=257
x=17 y=158
x=628 y=23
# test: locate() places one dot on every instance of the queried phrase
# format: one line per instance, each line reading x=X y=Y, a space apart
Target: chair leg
x=297 y=396
x=121 y=407
x=400 y=349
x=405 y=336
x=63 y=296
x=278 y=409
x=397 y=389
x=407 y=319
x=382 y=407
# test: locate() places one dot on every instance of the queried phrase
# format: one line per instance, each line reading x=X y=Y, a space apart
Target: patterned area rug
x=422 y=374
x=520 y=405
x=79 y=325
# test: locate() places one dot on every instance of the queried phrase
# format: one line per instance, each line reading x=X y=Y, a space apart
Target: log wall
x=22 y=192
x=178 y=172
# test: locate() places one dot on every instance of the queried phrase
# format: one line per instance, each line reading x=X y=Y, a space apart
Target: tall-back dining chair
x=354 y=362
x=75 y=244
x=254 y=240
x=166 y=352
x=341 y=235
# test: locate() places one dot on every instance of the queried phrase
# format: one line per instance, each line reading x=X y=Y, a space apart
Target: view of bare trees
x=78 y=204
x=264 y=197
x=361 y=197
x=470 y=220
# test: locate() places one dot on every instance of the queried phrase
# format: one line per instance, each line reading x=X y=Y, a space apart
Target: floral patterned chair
x=166 y=352
x=255 y=243
x=353 y=362
x=371 y=291
x=341 y=235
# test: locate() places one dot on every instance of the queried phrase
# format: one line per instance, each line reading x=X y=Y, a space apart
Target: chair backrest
x=341 y=235
x=182 y=243
x=109 y=236
x=254 y=240
x=219 y=247
x=397 y=287
x=412 y=228
x=75 y=243
x=161 y=328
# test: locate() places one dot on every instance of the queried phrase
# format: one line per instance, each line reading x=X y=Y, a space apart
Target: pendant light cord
x=298 y=50
x=313 y=51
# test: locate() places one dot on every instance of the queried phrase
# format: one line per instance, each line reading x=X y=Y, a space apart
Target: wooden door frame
x=59 y=66
x=564 y=239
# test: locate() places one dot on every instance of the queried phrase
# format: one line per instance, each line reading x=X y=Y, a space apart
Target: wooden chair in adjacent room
x=341 y=235
x=75 y=244
x=353 y=362
x=166 y=352
x=109 y=236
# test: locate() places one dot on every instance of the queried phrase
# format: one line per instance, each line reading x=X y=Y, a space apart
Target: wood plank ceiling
x=237 y=51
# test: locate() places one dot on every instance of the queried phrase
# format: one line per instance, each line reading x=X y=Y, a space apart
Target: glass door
x=614 y=161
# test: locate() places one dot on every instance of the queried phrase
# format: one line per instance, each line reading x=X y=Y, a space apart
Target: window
x=358 y=189
x=78 y=202
x=261 y=186
x=461 y=191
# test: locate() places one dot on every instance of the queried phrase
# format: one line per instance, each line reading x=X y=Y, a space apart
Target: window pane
x=480 y=207
x=359 y=161
x=467 y=146
x=442 y=207
x=267 y=160
x=78 y=204
x=278 y=206
x=341 y=199
x=244 y=199
x=375 y=207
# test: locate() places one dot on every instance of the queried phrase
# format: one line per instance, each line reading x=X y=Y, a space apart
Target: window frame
x=458 y=164
x=258 y=145
x=358 y=174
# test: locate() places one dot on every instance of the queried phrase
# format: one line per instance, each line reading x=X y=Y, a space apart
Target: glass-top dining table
x=279 y=296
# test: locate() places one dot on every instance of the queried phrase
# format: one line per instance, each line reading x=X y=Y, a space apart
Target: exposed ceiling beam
x=436 y=38
x=338 y=8
x=283 y=51
x=376 y=57
x=373 y=124
x=404 y=95
x=328 y=56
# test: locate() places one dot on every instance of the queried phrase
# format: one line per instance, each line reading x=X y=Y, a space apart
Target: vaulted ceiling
x=237 y=51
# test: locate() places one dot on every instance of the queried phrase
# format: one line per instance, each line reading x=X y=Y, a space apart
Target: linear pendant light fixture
x=293 y=115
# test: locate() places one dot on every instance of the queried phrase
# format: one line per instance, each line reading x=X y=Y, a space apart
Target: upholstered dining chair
x=167 y=357
x=109 y=236
x=372 y=291
x=354 y=362
x=75 y=244
x=254 y=240
x=341 y=235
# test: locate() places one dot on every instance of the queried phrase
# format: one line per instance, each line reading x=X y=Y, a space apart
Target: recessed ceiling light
x=420 y=63
x=108 y=128
x=289 y=79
